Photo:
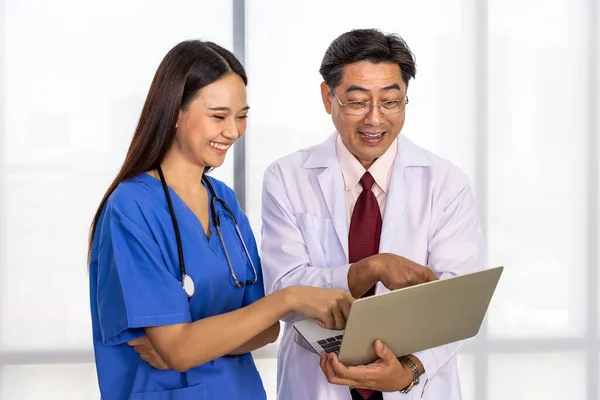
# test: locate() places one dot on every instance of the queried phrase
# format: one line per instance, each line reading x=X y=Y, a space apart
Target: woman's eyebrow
x=227 y=108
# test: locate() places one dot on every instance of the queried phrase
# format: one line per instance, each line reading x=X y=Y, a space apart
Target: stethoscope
x=186 y=281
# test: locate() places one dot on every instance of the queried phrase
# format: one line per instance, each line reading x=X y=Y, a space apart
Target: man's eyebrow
x=356 y=88
x=394 y=86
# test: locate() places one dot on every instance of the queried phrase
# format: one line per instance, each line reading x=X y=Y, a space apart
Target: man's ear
x=326 y=95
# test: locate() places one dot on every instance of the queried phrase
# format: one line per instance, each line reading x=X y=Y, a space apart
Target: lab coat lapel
x=394 y=208
x=408 y=156
x=332 y=187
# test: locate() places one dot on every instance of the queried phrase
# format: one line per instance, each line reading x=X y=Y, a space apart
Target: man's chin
x=367 y=158
x=372 y=153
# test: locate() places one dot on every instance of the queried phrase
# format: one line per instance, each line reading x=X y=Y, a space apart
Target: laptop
x=408 y=320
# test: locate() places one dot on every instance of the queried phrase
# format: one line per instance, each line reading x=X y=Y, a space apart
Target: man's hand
x=393 y=271
x=147 y=353
x=396 y=272
x=385 y=375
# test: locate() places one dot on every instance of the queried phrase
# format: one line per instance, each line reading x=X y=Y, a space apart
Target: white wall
x=75 y=75
x=505 y=89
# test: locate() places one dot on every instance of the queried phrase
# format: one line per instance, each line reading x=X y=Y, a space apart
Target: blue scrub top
x=135 y=283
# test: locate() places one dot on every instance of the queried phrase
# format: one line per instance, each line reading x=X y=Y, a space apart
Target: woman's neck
x=182 y=174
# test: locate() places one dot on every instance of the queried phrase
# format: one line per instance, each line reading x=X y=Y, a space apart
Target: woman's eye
x=219 y=117
x=243 y=117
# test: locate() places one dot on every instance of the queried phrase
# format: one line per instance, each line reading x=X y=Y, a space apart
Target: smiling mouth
x=219 y=146
x=371 y=135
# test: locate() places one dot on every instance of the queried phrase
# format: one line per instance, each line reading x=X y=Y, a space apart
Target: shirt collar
x=352 y=169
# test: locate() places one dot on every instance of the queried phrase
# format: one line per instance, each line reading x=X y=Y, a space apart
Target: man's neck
x=366 y=164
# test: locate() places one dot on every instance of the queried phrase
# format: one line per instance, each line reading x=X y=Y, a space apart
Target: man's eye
x=356 y=104
x=390 y=103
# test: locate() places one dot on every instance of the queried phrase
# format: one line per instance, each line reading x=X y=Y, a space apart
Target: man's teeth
x=219 y=146
x=372 y=135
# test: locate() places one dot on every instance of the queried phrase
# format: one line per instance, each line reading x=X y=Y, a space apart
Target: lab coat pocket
x=196 y=392
x=320 y=239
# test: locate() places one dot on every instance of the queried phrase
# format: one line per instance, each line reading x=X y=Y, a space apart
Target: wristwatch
x=415 y=370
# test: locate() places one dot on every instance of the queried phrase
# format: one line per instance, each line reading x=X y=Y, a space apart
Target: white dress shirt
x=352 y=172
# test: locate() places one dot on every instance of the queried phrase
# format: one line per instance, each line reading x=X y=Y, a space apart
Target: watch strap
x=415 y=370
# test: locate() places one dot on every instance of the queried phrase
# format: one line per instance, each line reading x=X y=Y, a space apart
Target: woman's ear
x=179 y=118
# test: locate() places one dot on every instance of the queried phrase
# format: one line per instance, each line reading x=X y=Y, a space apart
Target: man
x=366 y=208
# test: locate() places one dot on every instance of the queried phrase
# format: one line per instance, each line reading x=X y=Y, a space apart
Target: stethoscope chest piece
x=188 y=285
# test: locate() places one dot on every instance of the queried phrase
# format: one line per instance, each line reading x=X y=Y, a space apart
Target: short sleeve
x=135 y=288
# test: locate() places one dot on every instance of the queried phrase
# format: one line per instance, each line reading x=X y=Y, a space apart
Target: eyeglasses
x=357 y=108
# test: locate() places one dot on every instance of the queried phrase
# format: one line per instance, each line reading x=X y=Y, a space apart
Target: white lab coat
x=430 y=218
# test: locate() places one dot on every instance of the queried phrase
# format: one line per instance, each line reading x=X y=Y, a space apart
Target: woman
x=166 y=258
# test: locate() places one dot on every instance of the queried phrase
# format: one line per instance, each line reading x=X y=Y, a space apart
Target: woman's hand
x=143 y=346
x=330 y=308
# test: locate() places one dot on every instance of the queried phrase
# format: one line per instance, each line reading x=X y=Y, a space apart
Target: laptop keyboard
x=332 y=344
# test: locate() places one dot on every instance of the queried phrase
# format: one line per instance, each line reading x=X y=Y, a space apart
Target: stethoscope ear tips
x=249 y=282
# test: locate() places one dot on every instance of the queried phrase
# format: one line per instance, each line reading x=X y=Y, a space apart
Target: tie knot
x=367 y=181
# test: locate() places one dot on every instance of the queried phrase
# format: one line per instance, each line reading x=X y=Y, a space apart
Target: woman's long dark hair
x=187 y=68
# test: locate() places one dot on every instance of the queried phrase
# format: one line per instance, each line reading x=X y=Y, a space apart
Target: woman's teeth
x=219 y=146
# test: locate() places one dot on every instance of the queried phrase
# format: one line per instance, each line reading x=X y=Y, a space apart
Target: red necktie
x=363 y=240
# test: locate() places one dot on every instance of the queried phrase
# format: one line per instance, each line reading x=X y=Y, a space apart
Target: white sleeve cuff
x=339 y=277
x=434 y=359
